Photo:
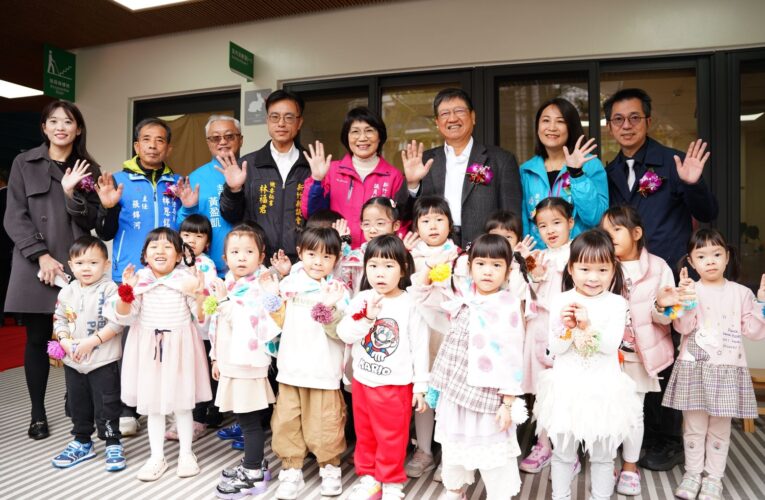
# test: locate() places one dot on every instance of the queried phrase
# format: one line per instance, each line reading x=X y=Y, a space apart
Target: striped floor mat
x=26 y=473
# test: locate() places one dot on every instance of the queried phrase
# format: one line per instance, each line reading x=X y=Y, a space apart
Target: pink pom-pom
x=55 y=350
x=321 y=314
x=253 y=345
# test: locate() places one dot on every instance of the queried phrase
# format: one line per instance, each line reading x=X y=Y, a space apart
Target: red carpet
x=12 y=339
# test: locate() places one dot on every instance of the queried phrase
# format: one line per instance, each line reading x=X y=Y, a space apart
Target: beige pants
x=706 y=439
x=308 y=420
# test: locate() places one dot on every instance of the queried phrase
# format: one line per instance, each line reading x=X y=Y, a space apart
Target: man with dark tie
x=667 y=190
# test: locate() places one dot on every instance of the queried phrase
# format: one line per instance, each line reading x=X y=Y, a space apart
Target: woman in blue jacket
x=563 y=167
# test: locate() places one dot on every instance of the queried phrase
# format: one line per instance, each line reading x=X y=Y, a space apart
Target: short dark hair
x=285 y=95
x=389 y=246
x=554 y=203
x=626 y=217
x=570 y=116
x=364 y=114
x=625 y=94
x=250 y=229
x=165 y=233
x=85 y=243
x=504 y=219
x=323 y=218
x=594 y=246
x=448 y=94
x=704 y=237
x=381 y=201
x=431 y=203
x=152 y=121
x=197 y=223
x=320 y=239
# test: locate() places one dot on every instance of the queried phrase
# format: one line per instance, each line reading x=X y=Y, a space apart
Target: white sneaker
x=290 y=484
x=392 y=491
x=187 y=465
x=129 y=426
x=331 y=480
x=152 y=469
x=367 y=488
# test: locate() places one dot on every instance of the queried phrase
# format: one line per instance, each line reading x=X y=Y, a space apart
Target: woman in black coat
x=51 y=202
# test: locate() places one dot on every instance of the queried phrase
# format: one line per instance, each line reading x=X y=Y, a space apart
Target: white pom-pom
x=518 y=413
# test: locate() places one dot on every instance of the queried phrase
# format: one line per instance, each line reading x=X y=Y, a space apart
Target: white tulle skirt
x=586 y=406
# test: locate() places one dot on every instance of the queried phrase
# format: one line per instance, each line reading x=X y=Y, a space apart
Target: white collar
x=276 y=153
x=465 y=152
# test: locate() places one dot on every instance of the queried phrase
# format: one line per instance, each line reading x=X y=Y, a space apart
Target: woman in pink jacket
x=344 y=186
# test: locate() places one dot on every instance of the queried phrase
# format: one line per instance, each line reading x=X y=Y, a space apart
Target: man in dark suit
x=476 y=180
x=667 y=210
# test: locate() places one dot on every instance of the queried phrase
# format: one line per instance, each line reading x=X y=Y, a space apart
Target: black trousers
x=254 y=437
x=662 y=424
x=94 y=397
x=39 y=329
x=200 y=410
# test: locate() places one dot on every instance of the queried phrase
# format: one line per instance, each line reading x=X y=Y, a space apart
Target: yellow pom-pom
x=441 y=272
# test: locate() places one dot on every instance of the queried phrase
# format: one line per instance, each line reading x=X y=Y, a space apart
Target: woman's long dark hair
x=79 y=146
x=570 y=116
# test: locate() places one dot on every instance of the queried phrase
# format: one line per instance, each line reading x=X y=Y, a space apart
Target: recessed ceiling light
x=147 y=4
x=13 y=91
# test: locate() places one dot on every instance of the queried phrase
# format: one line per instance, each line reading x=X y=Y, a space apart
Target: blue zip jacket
x=143 y=207
x=211 y=184
x=587 y=192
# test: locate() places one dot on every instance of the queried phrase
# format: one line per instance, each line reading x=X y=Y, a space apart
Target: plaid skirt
x=719 y=390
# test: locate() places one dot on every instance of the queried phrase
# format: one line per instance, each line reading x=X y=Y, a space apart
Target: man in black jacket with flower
x=476 y=180
x=667 y=190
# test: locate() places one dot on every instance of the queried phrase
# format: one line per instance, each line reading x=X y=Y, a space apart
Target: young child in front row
x=92 y=352
x=390 y=368
x=242 y=333
x=432 y=224
x=585 y=399
x=476 y=378
x=196 y=232
x=164 y=365
x=647 y=346
x=309 y=414
x=554 y=219
x=710 y=382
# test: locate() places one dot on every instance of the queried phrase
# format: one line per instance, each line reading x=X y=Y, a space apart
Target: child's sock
x=184 y=422
x=155 y=425
x=423 y=426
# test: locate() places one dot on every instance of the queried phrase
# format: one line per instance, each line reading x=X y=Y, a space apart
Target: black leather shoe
x=38 y=430
x=663 y=458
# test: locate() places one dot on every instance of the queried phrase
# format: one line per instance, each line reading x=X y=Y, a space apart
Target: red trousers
x=381 y=418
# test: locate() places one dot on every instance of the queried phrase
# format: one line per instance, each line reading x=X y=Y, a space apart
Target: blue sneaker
x=74 y=453
x=232 y=432
x=237 y=444
x=115 y=458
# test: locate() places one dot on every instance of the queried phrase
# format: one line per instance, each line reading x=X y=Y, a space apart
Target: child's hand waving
x=332 y=293
x=281 y=263
x=129 y=276
x=410 y=240
x=341 y=226
x=374 y=305
x=218 y=288
x=668 y=296
x=525 y=246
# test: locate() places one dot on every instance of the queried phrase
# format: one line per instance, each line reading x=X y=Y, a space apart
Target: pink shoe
x=172 y=433
x=538 y=459
x=198 y=431
x=629 y=483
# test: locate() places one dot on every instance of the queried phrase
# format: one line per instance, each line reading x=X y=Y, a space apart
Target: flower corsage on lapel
x=650 y=183
x=86 y=185
x=171 y=191
x=480 y=174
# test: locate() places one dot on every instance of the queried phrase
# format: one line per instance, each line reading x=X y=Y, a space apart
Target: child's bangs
x=593 y=255
x=491 y=246
x=706 y=238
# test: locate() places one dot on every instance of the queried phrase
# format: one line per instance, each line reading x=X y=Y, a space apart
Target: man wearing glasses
x=476 y=180
x=266 y=186
x=200 y=191
x=667 y=190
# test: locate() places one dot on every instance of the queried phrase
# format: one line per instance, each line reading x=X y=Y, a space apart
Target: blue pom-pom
x=272 y=303
x=431 y=397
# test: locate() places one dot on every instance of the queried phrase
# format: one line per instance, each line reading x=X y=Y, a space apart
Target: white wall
x=402 y=36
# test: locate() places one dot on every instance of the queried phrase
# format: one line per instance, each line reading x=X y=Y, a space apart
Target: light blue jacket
x=588 y=193
x=211 y=183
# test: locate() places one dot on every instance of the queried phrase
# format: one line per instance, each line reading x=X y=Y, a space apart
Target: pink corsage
x=650 y=183
x=86 y=185
x=361 y=314
x=322 y=314
x=171 y=191
x=480 y=174
x=55 y=351
x=565 y=182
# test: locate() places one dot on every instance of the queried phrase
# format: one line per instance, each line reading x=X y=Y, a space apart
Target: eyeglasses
x=289 y=118
x=379 y=225
x=618 y=120
x=368 y=132
x=215 y=139
x=458 y=112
